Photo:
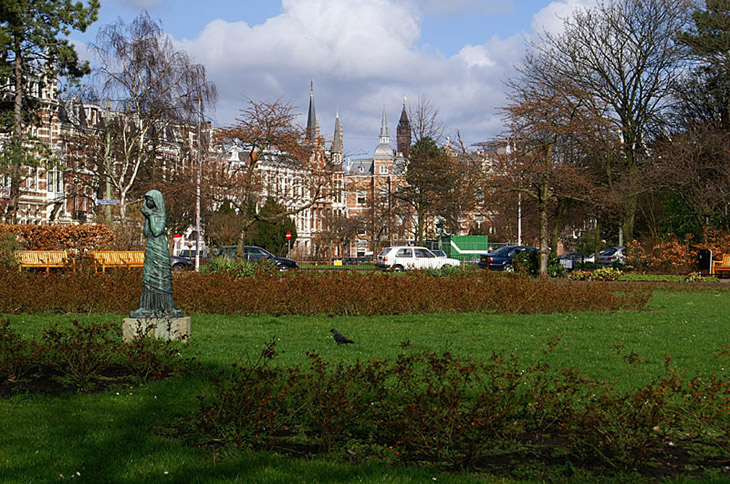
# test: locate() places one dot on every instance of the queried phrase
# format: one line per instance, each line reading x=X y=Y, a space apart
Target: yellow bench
x=44 y=258
x=721 y=267
x=118 y=258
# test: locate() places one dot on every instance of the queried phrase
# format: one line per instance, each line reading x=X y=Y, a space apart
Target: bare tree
x=152 y=86
x=546 y=123
x=340 y=232
x=424 y=120
x=461 y=196
x=267 y=156
x=624 y=54
x=695 y=166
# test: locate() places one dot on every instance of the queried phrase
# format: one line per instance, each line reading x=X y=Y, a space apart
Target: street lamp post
x=519 y=218
x=197 y=198
x=511 y=151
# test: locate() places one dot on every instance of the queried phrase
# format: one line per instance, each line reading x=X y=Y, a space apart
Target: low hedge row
x=311 y=293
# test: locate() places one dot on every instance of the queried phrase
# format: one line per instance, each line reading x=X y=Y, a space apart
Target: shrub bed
x=498 y=414
x=81 y=357
x=311 y=292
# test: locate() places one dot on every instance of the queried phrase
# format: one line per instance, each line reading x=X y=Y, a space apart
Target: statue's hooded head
x=159 y=205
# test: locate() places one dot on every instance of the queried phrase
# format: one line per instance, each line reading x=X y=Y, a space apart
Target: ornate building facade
x=371 y=185
x=70 y=186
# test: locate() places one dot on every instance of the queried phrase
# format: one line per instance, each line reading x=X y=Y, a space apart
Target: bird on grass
x=340 y=339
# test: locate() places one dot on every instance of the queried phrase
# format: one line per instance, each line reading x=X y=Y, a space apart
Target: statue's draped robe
x=156 y=300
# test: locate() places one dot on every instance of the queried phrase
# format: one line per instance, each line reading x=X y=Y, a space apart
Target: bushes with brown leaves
x=312 y=293
x=61 y=237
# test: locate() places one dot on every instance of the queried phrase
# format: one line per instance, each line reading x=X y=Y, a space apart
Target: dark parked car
x=180 y=262
x=575 y=260
x=502 y=258
x=185 y=259
x=611 y=256
x=256 y=254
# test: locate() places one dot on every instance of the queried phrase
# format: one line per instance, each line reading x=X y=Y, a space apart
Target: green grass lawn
x=118 y=436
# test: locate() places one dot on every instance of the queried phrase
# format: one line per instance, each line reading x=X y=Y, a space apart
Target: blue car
x=502 y=258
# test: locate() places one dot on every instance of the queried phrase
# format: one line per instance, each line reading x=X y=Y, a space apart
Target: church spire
x=384 y=136
x=311 y=133
x=337 y=140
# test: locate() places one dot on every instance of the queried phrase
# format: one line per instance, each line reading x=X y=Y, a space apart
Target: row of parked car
x=608 y=257
x=400 y=258
x=186 y=259
x=502 y=259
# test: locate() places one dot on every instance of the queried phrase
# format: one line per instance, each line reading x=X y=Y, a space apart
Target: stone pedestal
x=169 y=329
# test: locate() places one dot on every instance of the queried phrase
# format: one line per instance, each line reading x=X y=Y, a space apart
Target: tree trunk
x=16 y=143
x=18 y=99
x=543 y=215
x=123 y=206
x=629 y=218
x=558 y=225
x=419 y=226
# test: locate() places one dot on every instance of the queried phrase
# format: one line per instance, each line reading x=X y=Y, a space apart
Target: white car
x=401 y=258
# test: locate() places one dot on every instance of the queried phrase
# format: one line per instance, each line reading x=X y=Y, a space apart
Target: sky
x=361 y=56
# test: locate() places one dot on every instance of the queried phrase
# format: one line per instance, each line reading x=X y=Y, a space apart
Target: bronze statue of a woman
x=156 y=300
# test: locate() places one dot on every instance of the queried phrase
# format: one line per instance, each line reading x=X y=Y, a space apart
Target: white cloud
x=476 y=56
x=550 y=19
x=344 y=38
x=363 y=55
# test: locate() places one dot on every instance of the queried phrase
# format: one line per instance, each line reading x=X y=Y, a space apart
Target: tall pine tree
x=705 y=95
x=34 y=52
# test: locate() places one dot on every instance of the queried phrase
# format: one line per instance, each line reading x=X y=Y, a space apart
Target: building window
x=383 y=191
x=383 y=169
x=361 y=198
x=4 y=186
x=55 y=181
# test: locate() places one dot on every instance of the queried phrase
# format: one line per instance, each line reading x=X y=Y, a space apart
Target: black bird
x=340 y=339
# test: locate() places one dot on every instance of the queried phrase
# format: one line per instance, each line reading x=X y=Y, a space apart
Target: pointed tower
x=337 y=151
x=312 y=126
x=384 y=151
x=403 y=132
x=384 y=136
x=337 y=138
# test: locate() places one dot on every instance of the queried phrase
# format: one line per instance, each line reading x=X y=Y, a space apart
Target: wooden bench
x=118 y=258
x=44 y=258
x=721 y=267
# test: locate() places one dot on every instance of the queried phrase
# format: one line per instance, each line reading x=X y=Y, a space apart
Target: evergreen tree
x=705 y=95
x=429 y=177
x=692 y=173
x=271 y=228
x=33 y=54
